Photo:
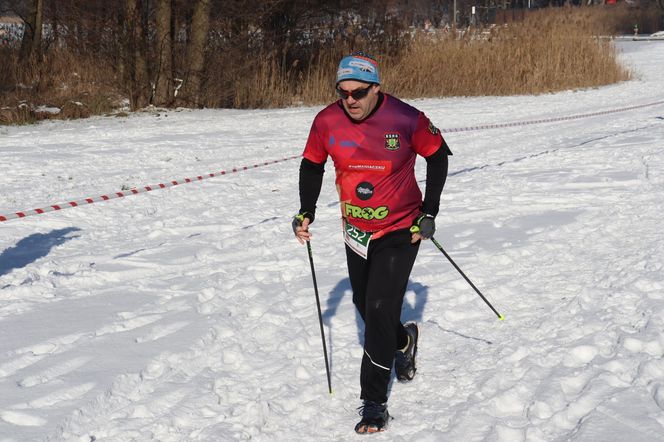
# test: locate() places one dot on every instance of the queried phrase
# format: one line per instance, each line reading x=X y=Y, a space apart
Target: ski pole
x=433 y=240
x=320 y=316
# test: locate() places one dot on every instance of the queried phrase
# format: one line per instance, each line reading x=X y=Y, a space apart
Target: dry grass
x=595 y=20
x=78 y=85
x=267 y=83
x=532 y=58
x=549 y=51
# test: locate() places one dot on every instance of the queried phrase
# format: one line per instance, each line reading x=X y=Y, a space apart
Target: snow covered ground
x=188 y=314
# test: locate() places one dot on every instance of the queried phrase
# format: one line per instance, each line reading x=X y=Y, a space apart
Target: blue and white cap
x=358 y=66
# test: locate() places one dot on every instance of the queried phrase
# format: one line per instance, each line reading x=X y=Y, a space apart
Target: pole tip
x=501 y=317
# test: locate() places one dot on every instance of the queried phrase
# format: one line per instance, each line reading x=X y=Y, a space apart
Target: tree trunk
x=32 y=36
x=200 y=26
x=164 y=68
x=56 y=23
x=140 y=88
x=122 y=46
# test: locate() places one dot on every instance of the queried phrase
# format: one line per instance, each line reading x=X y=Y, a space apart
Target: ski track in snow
x=189 y=314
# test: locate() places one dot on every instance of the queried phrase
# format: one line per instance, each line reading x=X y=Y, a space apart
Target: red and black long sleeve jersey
x=374 y=160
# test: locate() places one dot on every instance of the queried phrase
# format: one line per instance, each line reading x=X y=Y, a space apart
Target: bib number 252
x=358 y=240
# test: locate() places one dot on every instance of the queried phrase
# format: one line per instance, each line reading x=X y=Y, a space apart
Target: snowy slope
x=189 y=314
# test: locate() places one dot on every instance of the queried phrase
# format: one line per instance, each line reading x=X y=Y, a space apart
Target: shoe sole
x=370 y=429
x=407 y=378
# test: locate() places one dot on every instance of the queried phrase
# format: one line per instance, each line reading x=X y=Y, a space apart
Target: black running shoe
x=404 y=360
x=374 y=418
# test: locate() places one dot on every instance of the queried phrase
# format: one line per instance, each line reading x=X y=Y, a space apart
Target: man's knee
x=377 y=307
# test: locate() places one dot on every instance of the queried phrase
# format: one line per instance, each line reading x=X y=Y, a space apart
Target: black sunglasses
x=357 y=94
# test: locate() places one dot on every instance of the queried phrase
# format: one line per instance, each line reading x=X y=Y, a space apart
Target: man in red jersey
x=374 y=139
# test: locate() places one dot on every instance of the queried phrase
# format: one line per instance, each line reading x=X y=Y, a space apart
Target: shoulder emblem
x=392 y=141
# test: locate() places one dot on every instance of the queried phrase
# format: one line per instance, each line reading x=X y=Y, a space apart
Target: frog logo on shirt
x=392 y=141
x=367 y=213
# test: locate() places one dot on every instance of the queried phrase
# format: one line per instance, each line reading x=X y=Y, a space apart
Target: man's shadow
x=33 y=247
x=412 y=310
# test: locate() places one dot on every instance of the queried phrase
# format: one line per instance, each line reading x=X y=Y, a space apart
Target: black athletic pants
x=379 y=285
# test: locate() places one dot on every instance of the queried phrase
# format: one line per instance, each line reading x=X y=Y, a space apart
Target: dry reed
x=550 y=51
x=78 y=85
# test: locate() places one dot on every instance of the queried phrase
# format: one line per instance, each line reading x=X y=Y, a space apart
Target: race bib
x=356 y=239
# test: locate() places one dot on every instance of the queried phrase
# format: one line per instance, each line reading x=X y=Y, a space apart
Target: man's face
x=360 y=108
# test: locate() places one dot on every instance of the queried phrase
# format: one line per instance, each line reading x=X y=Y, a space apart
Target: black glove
x=425 y=225
x=297 y=220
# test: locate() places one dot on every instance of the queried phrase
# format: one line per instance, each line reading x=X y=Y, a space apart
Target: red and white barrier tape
x=110 y=196
x=550 y=120
x=135 y=191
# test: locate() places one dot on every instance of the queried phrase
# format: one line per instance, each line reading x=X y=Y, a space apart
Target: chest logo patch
x=392 y=141
x=364 y=190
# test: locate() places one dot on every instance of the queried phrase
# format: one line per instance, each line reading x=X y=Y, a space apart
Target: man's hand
x=300 y=225
x=423 y=227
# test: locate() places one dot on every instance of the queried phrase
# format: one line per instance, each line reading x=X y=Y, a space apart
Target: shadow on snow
x=412 y=310
x=33 y=247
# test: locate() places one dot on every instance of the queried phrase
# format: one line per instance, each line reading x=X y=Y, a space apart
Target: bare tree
x=140 y=88
x=54 y=21
x=164 y=55
x=32 y=34
x=200 y=27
